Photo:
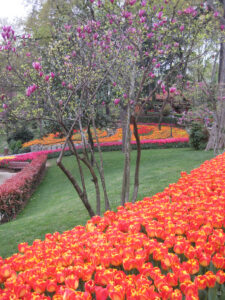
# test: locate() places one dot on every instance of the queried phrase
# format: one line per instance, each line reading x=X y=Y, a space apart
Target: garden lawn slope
x=163 y=247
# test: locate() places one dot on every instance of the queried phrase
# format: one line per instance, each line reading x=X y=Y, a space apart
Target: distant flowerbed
x=169 y=246
x=147 y=132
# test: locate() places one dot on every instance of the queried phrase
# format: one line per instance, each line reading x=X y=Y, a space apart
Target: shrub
x=17 y=190
x=198 y=136
x=22 y=134
x=15 y=146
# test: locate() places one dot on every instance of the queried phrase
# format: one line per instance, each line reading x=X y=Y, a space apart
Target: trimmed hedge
x=15 y=192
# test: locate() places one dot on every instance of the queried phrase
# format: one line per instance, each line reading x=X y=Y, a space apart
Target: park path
x=4 y=175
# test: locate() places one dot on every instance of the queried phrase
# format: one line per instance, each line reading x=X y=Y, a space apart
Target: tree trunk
x=138 y=159
x=123 y=120
x=100 y=167
x=81 y=193
x=95 y=180
x=217 y=133
x=126 y=171
x=91 y=142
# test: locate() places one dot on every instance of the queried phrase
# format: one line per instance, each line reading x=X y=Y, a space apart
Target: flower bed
x=147 y=132
x=169 y=246
x=16 y=190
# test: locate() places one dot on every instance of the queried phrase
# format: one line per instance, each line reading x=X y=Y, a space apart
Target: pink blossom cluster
x=31 y=89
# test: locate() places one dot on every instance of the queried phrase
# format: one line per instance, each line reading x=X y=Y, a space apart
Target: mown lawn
x=56 y=207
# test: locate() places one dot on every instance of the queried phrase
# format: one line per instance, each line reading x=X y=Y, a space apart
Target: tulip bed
x=169 y=246
x=149 y=133
x=15 y=191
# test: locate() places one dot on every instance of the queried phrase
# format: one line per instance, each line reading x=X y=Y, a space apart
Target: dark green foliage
x=15 y=146
x=22 y=134
x=199 y=136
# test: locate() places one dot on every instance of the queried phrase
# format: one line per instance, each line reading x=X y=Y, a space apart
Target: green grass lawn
x=56 y=207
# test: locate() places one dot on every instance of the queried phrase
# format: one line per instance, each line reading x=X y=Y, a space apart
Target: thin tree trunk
x=83 y=138
x=126 y=171
x=138 y=159
x=95 y=180
x=77 y=188
x=123 y=116
x=101 y=168
x=81 y=194
x=91 y=142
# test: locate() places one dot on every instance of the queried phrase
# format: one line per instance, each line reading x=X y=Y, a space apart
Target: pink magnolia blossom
x=159 y=16
x=47 y=78
x=141 y=12
x=150 y=35
x=36 y=65
x=63 y=83
x=132 y=2
x=182 y=28
x=9 y=68
x=70 y=86
x=116 y=101
x=52 y=75
x=173 y=89
x=31 y=89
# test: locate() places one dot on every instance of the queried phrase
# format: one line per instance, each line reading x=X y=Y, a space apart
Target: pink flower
x=125 y=95
x=63 y=83
x=216 y=14
x=5 y=106
x=41 y=74
x=52 y=75
x=31 y=89
x=116 y=101
x=182 y=28
x=222 y=27
x=9 y=68
x=150 y=35
x=36 y=65
x=173 y=89
x=47 y=78
x=141 y=12
x=159 y=16
x=132 y=2
x=114 y=83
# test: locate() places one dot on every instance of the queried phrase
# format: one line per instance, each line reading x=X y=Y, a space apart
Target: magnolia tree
x=130 y=44
x=61 y=85
x=157 y=42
